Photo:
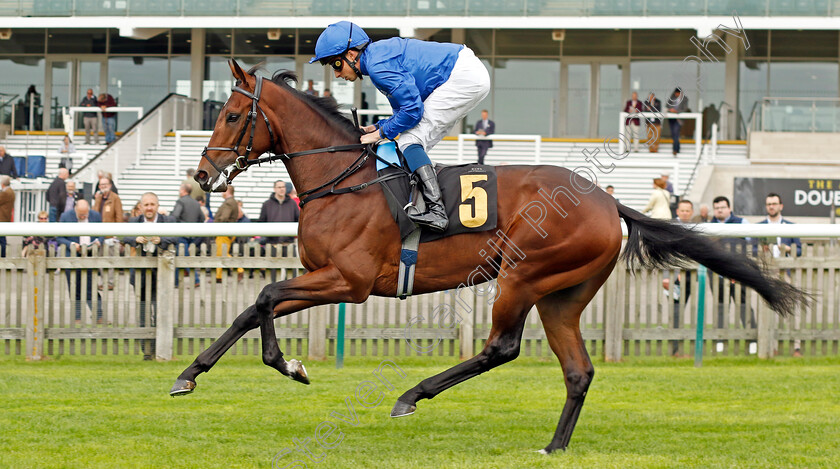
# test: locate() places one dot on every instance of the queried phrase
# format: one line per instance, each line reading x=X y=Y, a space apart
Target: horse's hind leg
x=560 y=314
x=502 y=346
x=185 y=383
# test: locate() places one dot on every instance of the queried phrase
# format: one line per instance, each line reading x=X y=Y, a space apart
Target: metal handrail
x=133 y=142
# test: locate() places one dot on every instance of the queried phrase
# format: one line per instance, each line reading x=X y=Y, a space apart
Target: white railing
x=30 y=198
x=698 y=127
x=537 y=139
x=147 y=229
x=803 y=230
x=174 y=112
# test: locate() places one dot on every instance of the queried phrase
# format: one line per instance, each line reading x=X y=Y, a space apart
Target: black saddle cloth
x=469 y=195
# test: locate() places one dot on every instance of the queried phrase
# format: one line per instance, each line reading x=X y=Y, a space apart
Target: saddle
x=470 y=195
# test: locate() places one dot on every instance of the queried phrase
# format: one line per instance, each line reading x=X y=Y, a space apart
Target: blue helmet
x=337 y=39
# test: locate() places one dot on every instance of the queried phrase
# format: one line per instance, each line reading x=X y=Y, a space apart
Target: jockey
x=430 y=86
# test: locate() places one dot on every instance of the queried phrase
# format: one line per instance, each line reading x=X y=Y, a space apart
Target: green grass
x=115 y=412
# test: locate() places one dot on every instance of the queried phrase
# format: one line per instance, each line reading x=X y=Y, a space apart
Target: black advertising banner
x=801 y=197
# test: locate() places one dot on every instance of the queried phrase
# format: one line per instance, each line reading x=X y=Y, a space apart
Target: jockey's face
x=346 y=70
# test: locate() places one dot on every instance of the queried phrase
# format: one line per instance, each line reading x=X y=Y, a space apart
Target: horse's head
x=241 y=133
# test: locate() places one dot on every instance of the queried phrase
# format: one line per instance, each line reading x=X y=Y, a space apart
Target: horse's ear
x=237 y=71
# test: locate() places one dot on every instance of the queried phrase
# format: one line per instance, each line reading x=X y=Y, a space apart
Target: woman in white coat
x=659 y=203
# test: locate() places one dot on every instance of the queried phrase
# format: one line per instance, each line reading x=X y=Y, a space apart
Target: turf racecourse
x=114 y=412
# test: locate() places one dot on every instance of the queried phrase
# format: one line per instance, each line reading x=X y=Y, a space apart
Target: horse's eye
x=232 y=117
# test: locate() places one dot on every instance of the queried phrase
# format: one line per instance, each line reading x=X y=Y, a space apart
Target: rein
x=242 y=162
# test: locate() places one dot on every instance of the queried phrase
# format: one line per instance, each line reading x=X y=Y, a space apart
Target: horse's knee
x=267 y=299
x=577 y=382
x=500 y=353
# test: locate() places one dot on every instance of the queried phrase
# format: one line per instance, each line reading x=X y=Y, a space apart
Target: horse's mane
x=326 y=106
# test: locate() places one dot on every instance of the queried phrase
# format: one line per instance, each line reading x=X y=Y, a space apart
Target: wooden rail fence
x=134 y=302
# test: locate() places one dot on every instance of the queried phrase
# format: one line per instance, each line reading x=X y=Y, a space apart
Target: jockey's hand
x=371 y=137
x=368 y=128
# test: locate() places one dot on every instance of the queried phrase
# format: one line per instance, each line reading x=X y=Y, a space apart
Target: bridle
x=242 y=162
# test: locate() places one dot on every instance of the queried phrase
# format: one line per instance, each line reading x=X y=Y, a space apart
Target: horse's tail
x=653 y=243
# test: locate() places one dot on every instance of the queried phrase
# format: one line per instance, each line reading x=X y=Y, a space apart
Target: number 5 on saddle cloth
x=469 y=195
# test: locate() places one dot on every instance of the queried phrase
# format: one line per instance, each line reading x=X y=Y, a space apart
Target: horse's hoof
x=401 y=409
x=297 y=371
x=182 y=387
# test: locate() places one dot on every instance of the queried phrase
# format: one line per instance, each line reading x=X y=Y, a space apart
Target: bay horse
x=350 y=244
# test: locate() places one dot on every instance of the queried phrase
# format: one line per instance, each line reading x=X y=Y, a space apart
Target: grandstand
x=559 y=69
x=155 y=172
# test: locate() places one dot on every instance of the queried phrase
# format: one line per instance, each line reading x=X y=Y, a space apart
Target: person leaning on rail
x=430 y=86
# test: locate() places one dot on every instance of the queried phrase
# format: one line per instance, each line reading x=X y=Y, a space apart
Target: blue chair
x=36 y=166
x=20 y=166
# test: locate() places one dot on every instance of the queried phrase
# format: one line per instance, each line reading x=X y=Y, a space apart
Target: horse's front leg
x=279 y=299
x=323 y=286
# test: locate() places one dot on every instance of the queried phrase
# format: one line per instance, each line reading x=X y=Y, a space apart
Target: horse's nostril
x=201 y=176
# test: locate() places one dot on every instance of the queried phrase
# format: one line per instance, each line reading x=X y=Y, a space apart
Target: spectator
x=328 y=95
x=109 y=119
x=208 y=217
x=104 y=174
x=91 y=119
x=70 y=198
x=136 y=211
x=484 y=127
x=278 y=208
x=672 y=199
x=310 y=88
x=81 y=213
x=7 y=206
x=228 y=212
x=779 y=246
x=187 y=210
x=7 y=164
x=611 y=191
x=67 y=147
x=65 y=150
x=196 y=192
x=658 y=202
x=109 y=205
x=291 y=193
x=241 y=217
x=633 y=106
x=107 y=202
x=148 y=246
x=654 y=132
x=723 y=214
x=57 y=195
x=703 y=216
x=31 y=103
x=677 y=103
x=685 y=210
x=38 y=242
x=668 y=186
